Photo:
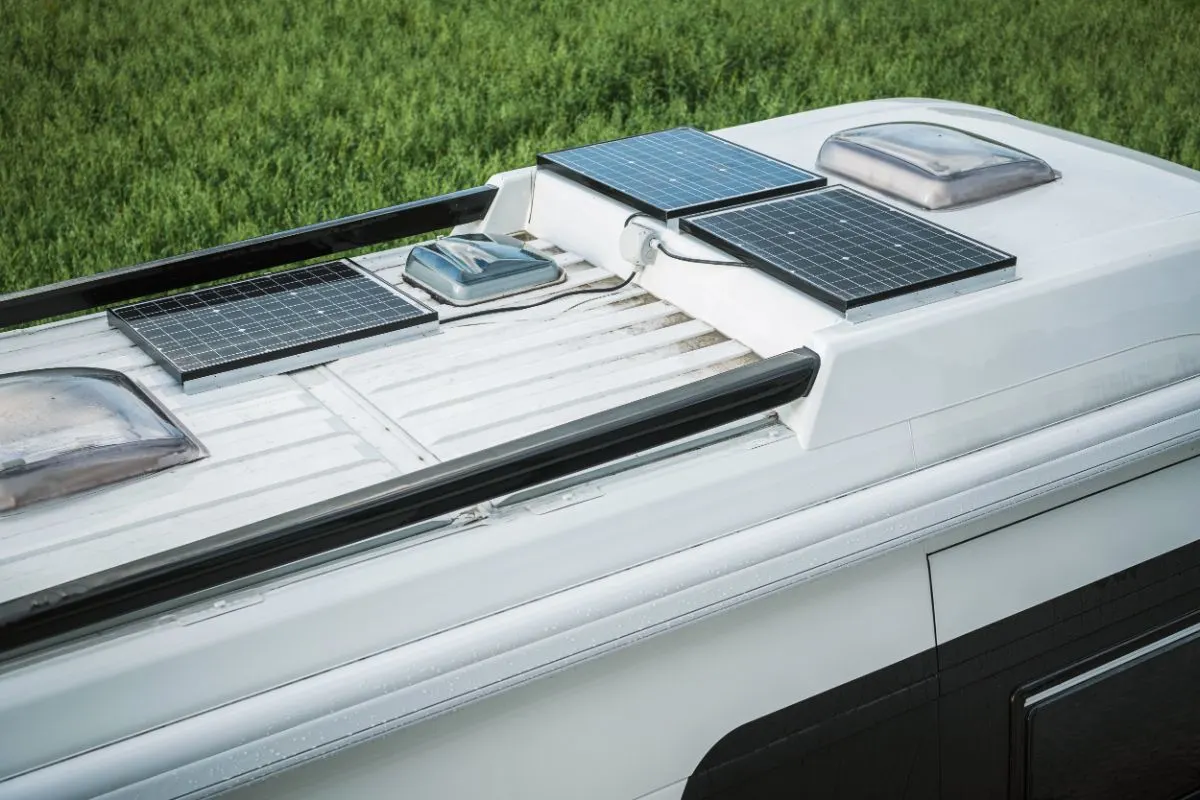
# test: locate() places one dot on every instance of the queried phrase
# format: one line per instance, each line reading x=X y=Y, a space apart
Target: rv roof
x=1104 y=308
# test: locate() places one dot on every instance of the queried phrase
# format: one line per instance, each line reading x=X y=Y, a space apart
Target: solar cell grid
x=844 y=248
x=268 y=318
x=679 y=171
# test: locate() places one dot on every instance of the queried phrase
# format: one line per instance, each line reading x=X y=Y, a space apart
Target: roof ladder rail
x=239 y=258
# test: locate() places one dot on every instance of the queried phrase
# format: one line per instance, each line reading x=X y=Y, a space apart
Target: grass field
x=141 y=128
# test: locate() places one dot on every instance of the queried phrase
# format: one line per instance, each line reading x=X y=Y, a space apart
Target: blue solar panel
x=678 y=172
x=269 y=324
x=844 y=248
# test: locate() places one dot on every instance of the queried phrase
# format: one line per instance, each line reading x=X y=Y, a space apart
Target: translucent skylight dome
x=68 y=430
x=931 y=166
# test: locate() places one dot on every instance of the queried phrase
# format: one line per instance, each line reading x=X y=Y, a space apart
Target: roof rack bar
x=119 y=594
x=250 y=255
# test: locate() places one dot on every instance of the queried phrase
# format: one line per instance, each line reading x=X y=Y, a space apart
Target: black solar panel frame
x=184 y=376
x=545 y=161
x=690 y=226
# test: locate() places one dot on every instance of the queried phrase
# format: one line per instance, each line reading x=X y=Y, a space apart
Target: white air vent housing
x=931 y=166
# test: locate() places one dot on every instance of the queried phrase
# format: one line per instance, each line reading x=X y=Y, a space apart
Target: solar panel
x=270 y=324
x=849 y=250
x=677 y=172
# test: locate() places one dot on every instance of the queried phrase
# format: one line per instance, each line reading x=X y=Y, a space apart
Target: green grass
x=141 y=128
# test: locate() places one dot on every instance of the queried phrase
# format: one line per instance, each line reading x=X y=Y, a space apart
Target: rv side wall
x=641 y=718
x=834 y=684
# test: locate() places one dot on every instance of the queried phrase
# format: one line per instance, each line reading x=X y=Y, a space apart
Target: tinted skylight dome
x=67 y=430
x=931 y=166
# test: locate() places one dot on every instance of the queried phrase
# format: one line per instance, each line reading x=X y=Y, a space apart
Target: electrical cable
x=543 y=301
x=663 y=249
x=658 y=245
x=552 y=298
x=574 y=292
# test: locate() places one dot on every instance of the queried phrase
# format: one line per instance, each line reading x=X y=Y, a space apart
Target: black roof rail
x=250 y=255
x=151 y=584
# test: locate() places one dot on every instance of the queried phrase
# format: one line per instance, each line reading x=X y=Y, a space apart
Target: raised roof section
x=1107 y=262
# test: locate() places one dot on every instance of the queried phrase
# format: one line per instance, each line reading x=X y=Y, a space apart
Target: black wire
x=658 y=244
x=573 y=292
x=676 y=256
x=543 y=301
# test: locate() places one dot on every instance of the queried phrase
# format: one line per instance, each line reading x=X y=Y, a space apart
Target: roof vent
x=475 y=267
x=67 y=430
x=931 y=166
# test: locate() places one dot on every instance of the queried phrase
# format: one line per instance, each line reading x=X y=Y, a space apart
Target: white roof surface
x=1104 y=309
x=289 y=440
